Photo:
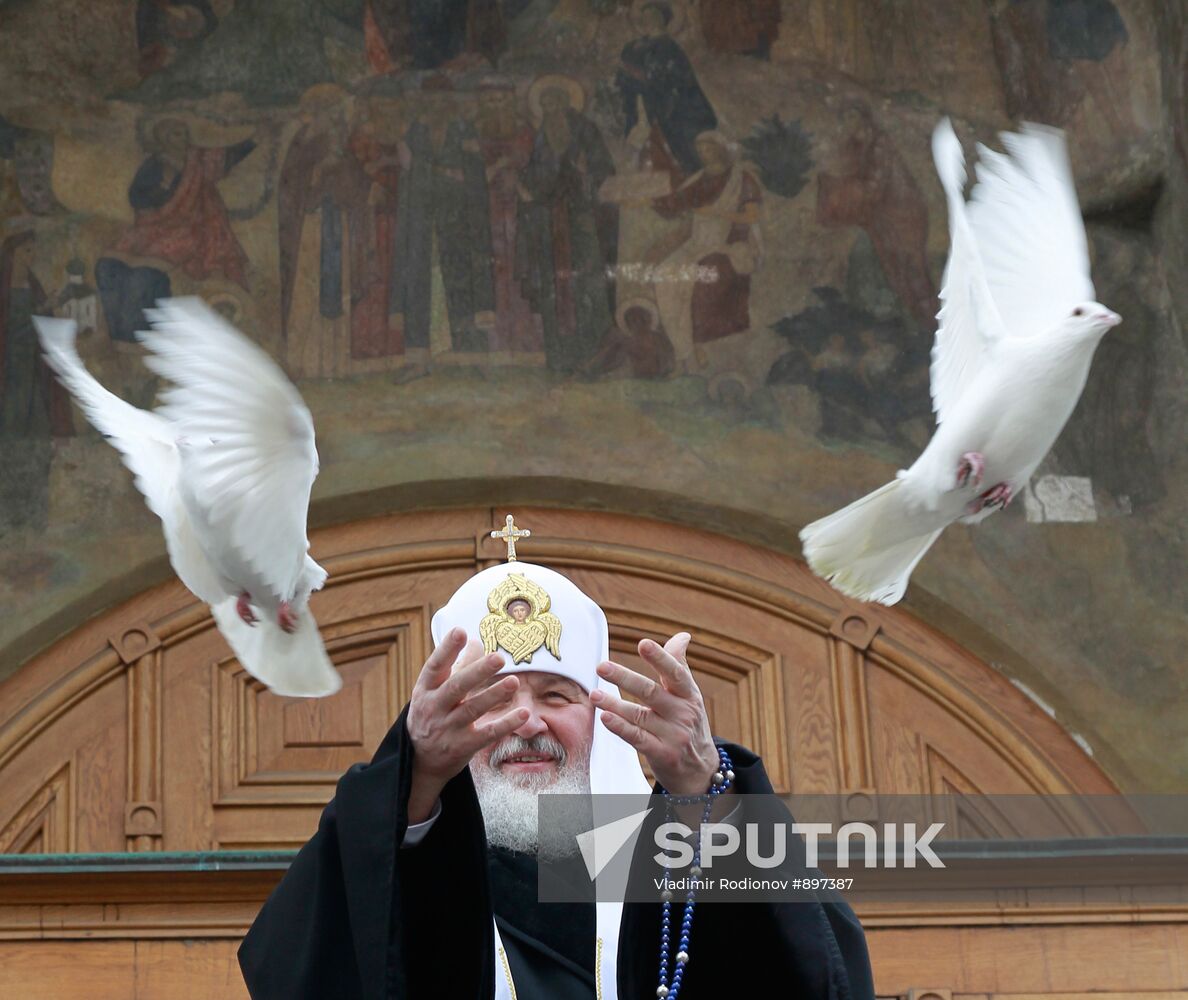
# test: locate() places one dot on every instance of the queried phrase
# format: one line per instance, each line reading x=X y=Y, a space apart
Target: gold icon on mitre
x=520 y=621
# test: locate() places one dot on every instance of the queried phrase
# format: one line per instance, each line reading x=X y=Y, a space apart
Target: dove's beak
x=1109 y=318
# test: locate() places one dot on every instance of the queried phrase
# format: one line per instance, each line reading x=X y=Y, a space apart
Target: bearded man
x=420 y=881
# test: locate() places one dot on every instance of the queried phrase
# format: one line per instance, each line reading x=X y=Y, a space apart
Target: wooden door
x=141 y=732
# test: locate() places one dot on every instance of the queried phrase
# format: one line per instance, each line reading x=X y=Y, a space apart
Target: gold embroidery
x=598 y=971
x=507 y=972
x=520 y=621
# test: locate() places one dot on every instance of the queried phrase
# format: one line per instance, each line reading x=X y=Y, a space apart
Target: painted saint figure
x=707 y=291
x=638 y=344
x=180 y=222
x=873 y=188
x=443 y=220
x=34 y=408
x=376 y=150
x=506 y=143
x=32 y=156
x=325 y=226
x=566 y=238
x=311 y=182
x=655 y=72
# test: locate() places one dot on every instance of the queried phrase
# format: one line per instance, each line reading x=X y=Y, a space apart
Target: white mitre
x=480 y=607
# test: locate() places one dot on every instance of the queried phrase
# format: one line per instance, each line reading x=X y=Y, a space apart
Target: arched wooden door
x=140 y=732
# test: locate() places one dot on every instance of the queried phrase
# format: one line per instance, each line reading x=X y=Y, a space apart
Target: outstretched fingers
x=469 y=676
x=643 y=741
x=648 y=691
x=489 y=732
x=436 y=670
x=478 y=704
x=638 y=715
x=669 y=662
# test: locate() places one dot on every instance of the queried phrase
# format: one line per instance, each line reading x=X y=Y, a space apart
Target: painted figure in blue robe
x=655 y=71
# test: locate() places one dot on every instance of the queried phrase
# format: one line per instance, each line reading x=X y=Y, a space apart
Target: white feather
x=146 y=445
x=968 y=320
x=249 y=459
x=869 y=549
x=227 y=464
x=1027 y=224
x=293 y=664
x=1011 y=357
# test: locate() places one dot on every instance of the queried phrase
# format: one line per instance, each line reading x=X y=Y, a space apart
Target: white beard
x=509 y=803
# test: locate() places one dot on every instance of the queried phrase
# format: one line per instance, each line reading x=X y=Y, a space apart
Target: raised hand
x=671 y=727
x=452 y=715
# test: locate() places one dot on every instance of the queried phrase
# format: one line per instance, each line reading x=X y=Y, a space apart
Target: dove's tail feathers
x=861 y=549
x=293 y=664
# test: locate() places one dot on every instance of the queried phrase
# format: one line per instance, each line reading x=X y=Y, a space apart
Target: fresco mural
x=690 y=249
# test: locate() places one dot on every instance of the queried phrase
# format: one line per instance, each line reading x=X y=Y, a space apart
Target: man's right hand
x=446 y=704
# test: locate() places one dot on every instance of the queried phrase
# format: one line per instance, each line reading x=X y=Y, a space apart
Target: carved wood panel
x=140 y=731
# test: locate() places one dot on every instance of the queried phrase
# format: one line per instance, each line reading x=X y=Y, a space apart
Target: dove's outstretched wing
x=143 y=439
x=254 y=477
x=1018 y=259
x=1025 y=217
x=968 y=319
x=145 y=442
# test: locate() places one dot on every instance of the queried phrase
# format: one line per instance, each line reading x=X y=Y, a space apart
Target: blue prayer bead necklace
x=723 y=778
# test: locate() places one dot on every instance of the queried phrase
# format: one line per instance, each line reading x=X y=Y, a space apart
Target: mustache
x=513 y=745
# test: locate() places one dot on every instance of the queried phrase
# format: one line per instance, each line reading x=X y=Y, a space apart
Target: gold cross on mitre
x=509 y=535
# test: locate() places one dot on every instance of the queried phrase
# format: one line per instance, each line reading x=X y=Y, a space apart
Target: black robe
x=357 y=918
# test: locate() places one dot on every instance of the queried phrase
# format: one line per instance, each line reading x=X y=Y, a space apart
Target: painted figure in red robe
x=703 y=283
x=873 y=188
x=180 y=215
x=506 y=140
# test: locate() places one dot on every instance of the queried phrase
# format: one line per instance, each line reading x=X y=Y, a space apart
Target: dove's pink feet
x=970 y=470
x=244 y=606
x=286 y=617
x=997 y=496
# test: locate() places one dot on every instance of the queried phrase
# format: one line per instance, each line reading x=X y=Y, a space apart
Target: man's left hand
x=670 y=726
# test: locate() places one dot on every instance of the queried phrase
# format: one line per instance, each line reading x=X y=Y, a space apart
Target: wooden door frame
x=124 y=638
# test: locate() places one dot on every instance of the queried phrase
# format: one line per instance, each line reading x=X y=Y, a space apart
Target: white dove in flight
x=1017 y=330
x=227 y=462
